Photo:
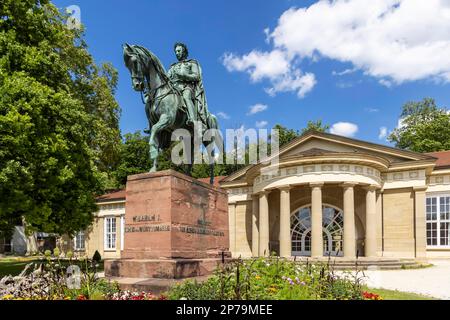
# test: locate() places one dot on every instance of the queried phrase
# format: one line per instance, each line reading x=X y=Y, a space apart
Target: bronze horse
x=163 y=105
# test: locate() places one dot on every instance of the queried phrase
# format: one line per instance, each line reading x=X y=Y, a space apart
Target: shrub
x=49 y=280
x=97 y=257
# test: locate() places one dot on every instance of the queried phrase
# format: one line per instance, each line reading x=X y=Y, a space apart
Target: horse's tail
x=217 y=140
x=212 y=122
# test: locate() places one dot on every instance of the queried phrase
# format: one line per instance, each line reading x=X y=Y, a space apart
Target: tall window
x=438 y=220
x=79 y=241
x=110 y=233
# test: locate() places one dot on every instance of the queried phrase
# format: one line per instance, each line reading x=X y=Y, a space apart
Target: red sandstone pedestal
x=175 y=227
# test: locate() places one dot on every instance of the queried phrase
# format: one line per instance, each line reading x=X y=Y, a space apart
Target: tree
x=134 y=157
x=58 y=120
x=285 y=135
x=315 y=126
x=423 y=127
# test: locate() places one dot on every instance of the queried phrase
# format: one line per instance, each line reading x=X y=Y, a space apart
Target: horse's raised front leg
x=162 y=124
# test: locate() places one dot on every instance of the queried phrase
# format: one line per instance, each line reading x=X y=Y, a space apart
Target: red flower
x=371 y=296
x=81 y=297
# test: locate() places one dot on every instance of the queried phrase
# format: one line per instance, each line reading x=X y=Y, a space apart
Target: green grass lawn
x=14 y=265
x=398 y=295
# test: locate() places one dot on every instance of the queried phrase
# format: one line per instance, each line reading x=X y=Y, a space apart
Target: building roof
x=443 y=159
x=216 y=180
x=112 y=195
x=393 y=155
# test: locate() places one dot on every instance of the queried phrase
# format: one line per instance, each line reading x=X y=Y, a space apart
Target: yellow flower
x=7 y=297
x=257 y=277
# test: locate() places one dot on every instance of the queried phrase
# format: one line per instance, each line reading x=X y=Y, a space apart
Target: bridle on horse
x=152 y=92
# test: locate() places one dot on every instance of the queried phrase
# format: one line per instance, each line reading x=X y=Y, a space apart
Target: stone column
x=371 y=223
x=420 y=222
x=349 y=221
x=316 y=220
x=264 y=224
x=232 y=225
x=379 y=222
x=255 y=231
x=285 y=222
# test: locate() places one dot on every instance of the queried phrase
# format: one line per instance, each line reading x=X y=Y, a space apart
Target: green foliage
x=315 y=126
x=285 y=135
x=272 y=278
x=424 y=127
x=133 y=157
x=97 y=257
x=59 y=129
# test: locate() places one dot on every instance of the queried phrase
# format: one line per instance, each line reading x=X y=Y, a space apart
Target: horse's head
x=134 y=64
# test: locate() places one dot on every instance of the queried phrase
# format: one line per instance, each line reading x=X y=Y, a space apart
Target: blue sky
x=338 y=62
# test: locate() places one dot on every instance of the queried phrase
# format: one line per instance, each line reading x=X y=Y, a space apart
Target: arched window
x=332 y=227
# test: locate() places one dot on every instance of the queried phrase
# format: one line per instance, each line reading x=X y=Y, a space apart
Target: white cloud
x=257 y=108
x=342 y=73
x=401 y=40
x=261 y=124
x=385 y=83
x=223 y=115
x=274 y=66
x=296 y=81
x=394 y=41
x=258 y=64
x=383 y=133
x=346 y=129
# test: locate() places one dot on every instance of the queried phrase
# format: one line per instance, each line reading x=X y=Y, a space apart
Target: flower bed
x=72 y=279
x=258 y=279
x=275 y=279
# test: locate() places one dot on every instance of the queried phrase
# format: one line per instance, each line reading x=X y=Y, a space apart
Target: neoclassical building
x=330 y=194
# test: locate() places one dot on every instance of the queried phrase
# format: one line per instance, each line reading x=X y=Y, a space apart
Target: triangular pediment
x=319 y=142
x=315 y=143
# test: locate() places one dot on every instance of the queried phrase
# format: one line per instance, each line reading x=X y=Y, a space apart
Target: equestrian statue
x=173 y=100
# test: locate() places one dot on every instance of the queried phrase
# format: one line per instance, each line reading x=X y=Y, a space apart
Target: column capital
x=371 y=187
x=264 y=192
x=348 y=184
x=285 y=188
x=316 y=184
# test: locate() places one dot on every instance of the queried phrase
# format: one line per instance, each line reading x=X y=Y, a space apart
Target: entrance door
x=332 y=226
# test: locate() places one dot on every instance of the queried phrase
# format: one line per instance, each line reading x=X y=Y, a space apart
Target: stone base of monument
x=160 y=268
x=175 y=227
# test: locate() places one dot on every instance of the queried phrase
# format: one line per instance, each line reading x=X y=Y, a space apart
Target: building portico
x=299 y=227
x=330 y=195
